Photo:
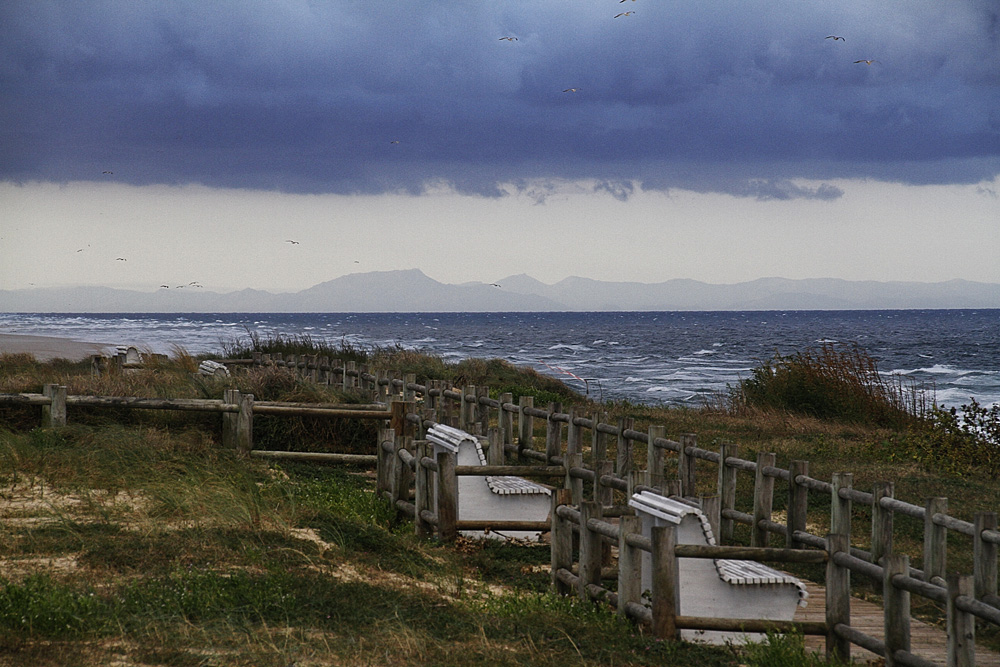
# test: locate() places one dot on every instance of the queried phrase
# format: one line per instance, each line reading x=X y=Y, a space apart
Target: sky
x=147 y=143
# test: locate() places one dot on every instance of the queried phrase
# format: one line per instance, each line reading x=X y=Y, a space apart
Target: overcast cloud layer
x=367 y=97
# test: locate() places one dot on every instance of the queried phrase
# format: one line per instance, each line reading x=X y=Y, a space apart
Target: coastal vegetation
x=133 y=537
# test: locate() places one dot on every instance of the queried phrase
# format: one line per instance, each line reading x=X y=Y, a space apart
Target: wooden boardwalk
x=927 y=641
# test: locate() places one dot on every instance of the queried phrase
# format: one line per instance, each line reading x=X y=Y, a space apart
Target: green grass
x=133 y=536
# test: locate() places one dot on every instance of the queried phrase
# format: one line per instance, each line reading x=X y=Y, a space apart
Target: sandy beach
x=46 y=348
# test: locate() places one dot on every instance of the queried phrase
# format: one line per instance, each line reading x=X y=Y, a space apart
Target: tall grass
x=837 y=382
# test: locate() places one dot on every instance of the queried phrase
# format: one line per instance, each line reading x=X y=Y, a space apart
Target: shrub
x=842 y=383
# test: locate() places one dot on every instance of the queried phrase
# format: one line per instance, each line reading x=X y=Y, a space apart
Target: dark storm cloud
x=373 y=97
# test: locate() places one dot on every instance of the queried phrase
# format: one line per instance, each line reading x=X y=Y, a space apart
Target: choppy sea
x=645 y=357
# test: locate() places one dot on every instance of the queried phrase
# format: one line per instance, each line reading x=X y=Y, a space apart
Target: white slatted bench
x=717 y=588
x=501 y=498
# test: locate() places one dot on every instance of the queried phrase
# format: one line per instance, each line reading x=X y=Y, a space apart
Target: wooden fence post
x=598 y=440
x=590 y=546
x=232 y=397
x=422 y=488
x=629 y=564
x=482 y=410
x=603 y=494
x=244 y=425
x=881 y=521
x=666 y=584
x=655 y=456
x=505 y=422
x=710 y=505
x=495 y=454
x=935 y=541
x=553 y=434
x=573 y=434
x=763 y=499
x=383 y=471
x=525 y=423
x=54 y=414
x=727 y=491
x=961 y=624
x=798 y=503
x=686 y=466
x=624 y=462
x=896 y=604
x=562 y=541
x=574 y=484
x=838 y=598
x=348 y=377
x=447 y=500
x=840 y=508
x=984 y=556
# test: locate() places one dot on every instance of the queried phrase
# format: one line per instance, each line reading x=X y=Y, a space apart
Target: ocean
x=680 y=358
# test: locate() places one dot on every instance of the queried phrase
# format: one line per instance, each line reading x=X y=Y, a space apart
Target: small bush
x=834 y=382
x=955 y=441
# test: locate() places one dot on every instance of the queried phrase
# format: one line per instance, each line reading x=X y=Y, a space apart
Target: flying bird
x=867 y=62
x=621 y=1
x=624 y=14
x=107 y=172
x=509 y=39
x=835 y=38
x=292 y=242
x=120 y=259
x=80 y=250
x=167 y=286
x=570 y=90
x=494 y=285
x=394 y=141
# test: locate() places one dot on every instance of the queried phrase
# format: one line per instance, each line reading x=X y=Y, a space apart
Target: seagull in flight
x=108 y=172
x=867 y=62
x=508 y=39
x=166 y=286
x=571 y=90
x=624 y=14
x=394 y=141
x=494 y=285
x=835 y=38
x=292 y=242
x=120 y=259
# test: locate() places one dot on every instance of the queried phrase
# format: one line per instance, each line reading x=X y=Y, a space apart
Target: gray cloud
x=307 y=97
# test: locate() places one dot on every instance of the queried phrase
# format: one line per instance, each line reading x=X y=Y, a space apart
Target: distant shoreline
x=47 y=348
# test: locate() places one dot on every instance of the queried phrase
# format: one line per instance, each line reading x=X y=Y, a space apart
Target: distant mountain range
x=412 y=291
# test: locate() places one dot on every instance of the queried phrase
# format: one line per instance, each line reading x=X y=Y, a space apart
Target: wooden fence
x=406 y=474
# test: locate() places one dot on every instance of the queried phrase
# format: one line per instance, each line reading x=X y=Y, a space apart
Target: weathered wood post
x=384 y=461
x=624 y=460
x=231 y=397
x=505 y=422
x=961 y=624
x=553 y=434
x=838 y=598
x=574 y=484
x=686 y=465
x=763 y=499
x=525 y=423
x=711 y=505
x=574 y=434
x=409 y=394
x=447 y=509
x=244 y=426
x=629 y=564
x=467 y=408
x=54 y=414
x=881 y=521
x=337 y=369
x=495 y=454
x=350 y=375
x=666 y=583
x=798 y=503
x=423 y=489
x=598 y=439
x=482 y=410
x=840 y=507
x=604 y=495
x=727 y=491
x=562 y=541
x=984 y=556
x=896 y=606
x=935 y=541
x=655 y=455
x=397 y=417
x=590 y=546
